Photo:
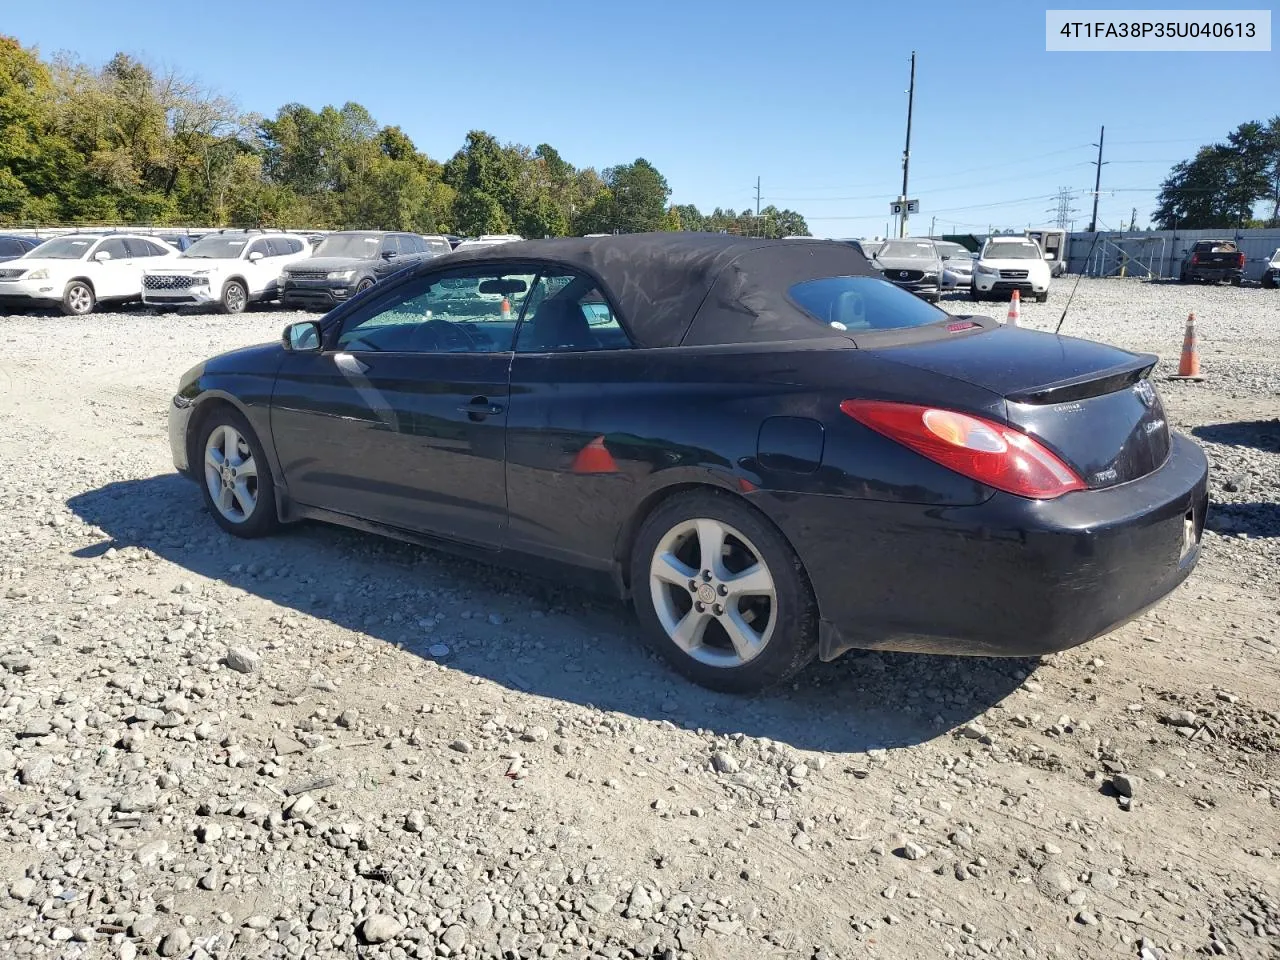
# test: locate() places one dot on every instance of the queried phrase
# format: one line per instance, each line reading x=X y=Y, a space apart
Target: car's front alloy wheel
x=237 y=479
x=234 y=297
x=722 y=593
x=78 y=299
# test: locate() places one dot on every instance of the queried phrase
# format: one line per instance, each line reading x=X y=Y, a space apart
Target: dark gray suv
x=912 y=264
x=348 y=262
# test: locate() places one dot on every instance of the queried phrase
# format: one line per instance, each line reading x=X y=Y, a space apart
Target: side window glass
x=567 y=313
x=258 y=246
x=390 y=245
x=10 y=248
x=468 y=312
x=116 y=246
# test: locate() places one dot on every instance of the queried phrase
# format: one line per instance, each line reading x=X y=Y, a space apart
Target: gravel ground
x=328 y=745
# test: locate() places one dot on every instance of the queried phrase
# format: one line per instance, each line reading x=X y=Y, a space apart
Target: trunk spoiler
x=1087 y=385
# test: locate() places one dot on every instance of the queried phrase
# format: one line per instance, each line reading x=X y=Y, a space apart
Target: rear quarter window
x=862 y=303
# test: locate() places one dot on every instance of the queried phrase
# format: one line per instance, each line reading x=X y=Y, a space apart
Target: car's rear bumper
x=1215 y=273
x=1008 y=577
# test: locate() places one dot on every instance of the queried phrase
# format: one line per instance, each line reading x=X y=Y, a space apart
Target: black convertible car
x=773 y=452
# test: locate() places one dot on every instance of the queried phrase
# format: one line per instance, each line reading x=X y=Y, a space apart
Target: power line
x=972 y=206
x=942 y=176
x=961 y=186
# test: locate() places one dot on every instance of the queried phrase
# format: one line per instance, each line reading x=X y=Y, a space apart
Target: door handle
x=481 y=407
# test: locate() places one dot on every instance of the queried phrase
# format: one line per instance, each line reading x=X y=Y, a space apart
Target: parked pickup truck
x=1214 y=260
x=1271 y=273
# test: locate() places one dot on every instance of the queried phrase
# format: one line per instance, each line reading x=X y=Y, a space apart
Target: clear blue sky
x=810 y=96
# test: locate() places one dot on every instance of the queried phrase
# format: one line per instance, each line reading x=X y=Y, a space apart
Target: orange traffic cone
x=1015 y=309
x=506 y=309
x=594 y=458
x=1189 y=365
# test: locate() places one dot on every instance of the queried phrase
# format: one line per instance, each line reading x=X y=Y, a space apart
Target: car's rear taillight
x=1195 y=259
x=1241 y=256
x=991 y=453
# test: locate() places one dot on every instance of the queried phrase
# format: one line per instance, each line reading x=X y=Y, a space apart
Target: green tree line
x=123 y=143
x=1232 y=184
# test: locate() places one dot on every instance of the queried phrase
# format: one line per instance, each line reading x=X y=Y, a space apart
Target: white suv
x=78 y=271
x=1011 y=263
x=228 y=269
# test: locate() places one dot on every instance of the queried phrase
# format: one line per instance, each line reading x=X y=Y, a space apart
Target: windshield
x=216 y=248
x=949 y=251
x=906 y=250
x=357 y=246
x=61 y=248
x=1012 y=251
x=863 y=303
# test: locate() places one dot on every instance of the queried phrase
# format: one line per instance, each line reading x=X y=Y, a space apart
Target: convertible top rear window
x=862 y=303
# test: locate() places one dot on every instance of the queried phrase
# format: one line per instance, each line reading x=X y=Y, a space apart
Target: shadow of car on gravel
x=1259 y=434
x=583 y=651
x=1260 y=520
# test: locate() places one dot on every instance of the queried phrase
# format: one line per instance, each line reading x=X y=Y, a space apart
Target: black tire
x=234 y=297
x=262 y=520
x=1268 y=282
x=974 y=294
x=78 y=299
x=365 y=284
x=793 y=641
x=1042 y=297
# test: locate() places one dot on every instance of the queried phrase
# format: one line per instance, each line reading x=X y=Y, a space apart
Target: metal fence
x=1158 y=254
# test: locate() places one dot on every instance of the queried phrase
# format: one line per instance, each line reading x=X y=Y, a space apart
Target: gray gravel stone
x=242 y=660
x=380 y=928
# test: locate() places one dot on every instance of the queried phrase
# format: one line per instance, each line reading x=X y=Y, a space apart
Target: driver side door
x=401 y=417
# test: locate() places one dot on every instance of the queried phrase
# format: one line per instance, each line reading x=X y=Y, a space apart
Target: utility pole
x=1097 y=182
x=932 y=223
x=906 y=153
x=1133 y=220
x=757 y=203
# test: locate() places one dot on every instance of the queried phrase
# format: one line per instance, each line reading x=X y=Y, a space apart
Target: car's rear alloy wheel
x=237 y=479
x=234 y=297
x=722 y=593
x=78 y=299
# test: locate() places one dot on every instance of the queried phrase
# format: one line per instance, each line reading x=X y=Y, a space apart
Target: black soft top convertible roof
x=693 y=288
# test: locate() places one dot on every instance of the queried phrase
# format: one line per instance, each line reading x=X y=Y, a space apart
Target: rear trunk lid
x=1091 y=403
x=1215 y=254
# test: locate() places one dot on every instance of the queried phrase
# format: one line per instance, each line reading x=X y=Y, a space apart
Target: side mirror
x=255 y=256
x=102 y=255
x=388 y=254
x=302 y=337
